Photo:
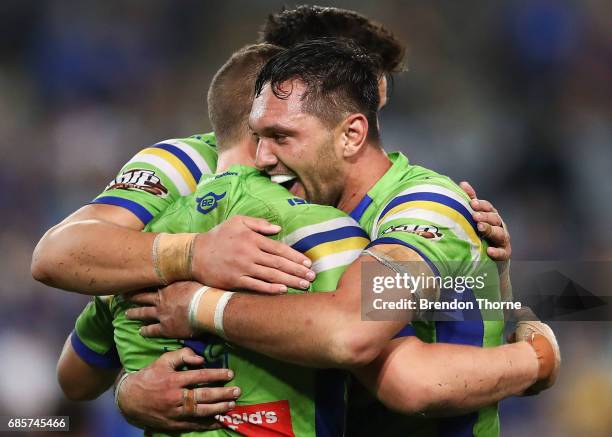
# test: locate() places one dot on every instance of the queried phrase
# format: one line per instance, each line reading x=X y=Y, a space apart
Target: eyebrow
x=275 y=129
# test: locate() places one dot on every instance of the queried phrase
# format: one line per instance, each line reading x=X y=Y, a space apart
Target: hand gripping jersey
x=427 y=212
x=277 y=398
x=160 y=174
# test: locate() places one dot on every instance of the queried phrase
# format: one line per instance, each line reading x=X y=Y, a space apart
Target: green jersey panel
x=427 y=212
x=160 y=174
x=277 y=397
x=92 y=338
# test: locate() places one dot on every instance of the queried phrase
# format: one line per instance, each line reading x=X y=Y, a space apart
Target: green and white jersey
x=429 y=213
x=277 y=398
x=160 y=174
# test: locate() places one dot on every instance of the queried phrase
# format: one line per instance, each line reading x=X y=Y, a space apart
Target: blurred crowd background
x=514 y=96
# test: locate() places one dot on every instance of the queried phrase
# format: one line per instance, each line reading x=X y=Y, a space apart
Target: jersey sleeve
x=436 y=222
x=330 y=238
x=160 y=174
x=93 y=336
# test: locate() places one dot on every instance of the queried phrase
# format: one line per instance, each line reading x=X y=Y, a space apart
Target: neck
x=362 y=175
x=236 y=153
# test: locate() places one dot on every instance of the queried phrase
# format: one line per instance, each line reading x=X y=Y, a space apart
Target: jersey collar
x=399 y=166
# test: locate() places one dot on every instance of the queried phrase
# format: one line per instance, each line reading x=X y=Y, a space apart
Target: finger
x=204 y=376
x=285 y=251
x=284 y=265
x=252 y=284
x=469 y=190
x=260 y=226
x=148 y=298
x=144 y=314
x=496 y=235
x=178 y=358
x=206 y=410
x=277 y=277
x=482 y=205
x=154 y=330
x=498 y=254
x=491 y=218
x=209 y=395
x=191 y=359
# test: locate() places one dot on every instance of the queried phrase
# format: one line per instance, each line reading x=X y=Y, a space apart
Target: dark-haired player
x=315 y=116
x=277 y=396
x=98 y=248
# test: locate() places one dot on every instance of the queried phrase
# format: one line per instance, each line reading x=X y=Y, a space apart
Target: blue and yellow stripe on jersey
x=329 y=244
x=179 y=168
x=134 y=207
x=435 y=204
x=178 y=163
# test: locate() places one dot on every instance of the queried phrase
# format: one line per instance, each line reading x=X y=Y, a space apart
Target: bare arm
x=81 y=381
x=314 y=329
x=320 y=329
x=411 y=377
x=96 y=249
x=100 y=249
x=326 y=330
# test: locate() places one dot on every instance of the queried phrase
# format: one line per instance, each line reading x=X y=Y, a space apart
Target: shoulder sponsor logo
x=426 y=231
x=208 y=202
x=270 y=419
x=138 y=179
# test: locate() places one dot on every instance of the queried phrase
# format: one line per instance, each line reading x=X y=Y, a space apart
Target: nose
x=264 y=157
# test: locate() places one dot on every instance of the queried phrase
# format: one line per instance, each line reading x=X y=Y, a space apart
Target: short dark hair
x=339 y=75
x=290 y=27
x=230 y=94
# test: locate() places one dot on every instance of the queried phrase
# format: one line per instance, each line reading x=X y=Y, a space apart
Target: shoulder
x=322 y=232
x=329 y=237
x=423 y=193
x=428 y=211
x=209 y=138
x=173 y=166
x=198 y=153
x=304 y=219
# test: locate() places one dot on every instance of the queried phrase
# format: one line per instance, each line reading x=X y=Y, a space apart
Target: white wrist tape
x=193 y=306
x=219 y=310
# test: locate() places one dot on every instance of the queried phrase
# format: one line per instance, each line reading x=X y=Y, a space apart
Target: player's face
x=296 y=148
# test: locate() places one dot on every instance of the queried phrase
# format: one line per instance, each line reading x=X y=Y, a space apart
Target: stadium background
x=514 y=96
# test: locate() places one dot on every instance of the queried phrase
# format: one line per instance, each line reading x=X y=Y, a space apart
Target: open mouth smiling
x=286 y=180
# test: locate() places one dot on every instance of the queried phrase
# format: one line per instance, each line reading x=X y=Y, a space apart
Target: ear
x=354 y=134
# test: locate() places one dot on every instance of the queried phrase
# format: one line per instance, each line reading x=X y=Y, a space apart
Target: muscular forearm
x=443 y=379
x=315 y=329
x=322 y=330
x=272 y=326
x=95 y=257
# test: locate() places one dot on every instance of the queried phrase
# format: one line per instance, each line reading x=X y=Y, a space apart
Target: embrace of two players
x=254 y=241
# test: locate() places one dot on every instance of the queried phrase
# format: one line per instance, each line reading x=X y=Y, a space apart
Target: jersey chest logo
x=208 y=202
x=270 y=419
